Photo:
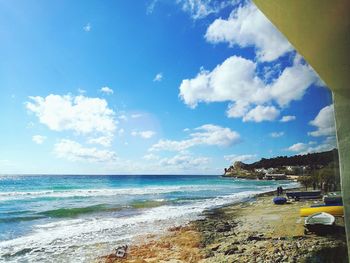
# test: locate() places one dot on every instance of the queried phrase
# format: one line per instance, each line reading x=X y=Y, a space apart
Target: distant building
x=275 y=177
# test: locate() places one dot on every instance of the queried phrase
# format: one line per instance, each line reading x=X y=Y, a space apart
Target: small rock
x=231 y=250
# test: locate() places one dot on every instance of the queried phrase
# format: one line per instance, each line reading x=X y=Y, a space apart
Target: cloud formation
x=236 y=81
x=184 y=161
x=248 y=27
x=276 y=134
x=239 y=158
x=143 y=134
x=87 y=27
x=199 y=9
x=324 y=122
x=311 y=147
x=38 y=139
x=158 y=77
x=73 y=151
x=208 y=134
x=107 y=90
x=287 y=118
x=83 y=115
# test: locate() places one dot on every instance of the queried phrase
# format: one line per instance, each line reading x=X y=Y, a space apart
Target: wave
x=7 y=196
x=61 y=238
x=73 y=212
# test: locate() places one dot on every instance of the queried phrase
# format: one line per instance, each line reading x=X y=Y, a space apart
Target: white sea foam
x=6 y=196
x=73 y=240
x=78 y=240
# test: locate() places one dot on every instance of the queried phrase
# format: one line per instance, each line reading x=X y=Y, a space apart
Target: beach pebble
x=231 y=250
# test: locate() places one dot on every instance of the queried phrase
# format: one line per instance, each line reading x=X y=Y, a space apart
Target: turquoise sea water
x=77 y=218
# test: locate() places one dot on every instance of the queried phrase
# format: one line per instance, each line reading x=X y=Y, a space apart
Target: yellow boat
x=333 y=210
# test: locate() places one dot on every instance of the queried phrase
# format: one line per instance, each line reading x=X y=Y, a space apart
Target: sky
x=152 y=87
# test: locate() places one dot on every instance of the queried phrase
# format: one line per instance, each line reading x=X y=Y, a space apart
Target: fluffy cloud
x=247 y=26
x=80 y=114
x=199 y=9
x=136 y=116
x=297 y=147
x=311 y=147
x=150 y=157
x=106 y=90
x=39 y=139
x=287 y=118
x=208 y=134
x=87 y=27
x=276 y=134
x=239 y=158
x=261 y=113
x=103 y=140
x=143 y=134
x=73 y=151
x=236 y=81
x=184 y=161
x=324 y=122
x=292 y=83
x=158 y=77
x=233 y=80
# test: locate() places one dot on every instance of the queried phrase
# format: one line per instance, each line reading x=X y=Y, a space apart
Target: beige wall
x=320 y=31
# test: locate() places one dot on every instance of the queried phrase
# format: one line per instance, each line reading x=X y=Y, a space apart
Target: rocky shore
x=253 y=231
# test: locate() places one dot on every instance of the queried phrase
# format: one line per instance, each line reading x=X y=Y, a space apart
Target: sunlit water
x=77 y=218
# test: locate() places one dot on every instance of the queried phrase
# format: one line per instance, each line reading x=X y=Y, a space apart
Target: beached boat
x=333 y=210
x=333 y=199
x=279 y=200
x=319 y=222
x=304 y=194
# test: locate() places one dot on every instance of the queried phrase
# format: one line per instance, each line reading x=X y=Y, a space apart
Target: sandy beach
x=251 y=231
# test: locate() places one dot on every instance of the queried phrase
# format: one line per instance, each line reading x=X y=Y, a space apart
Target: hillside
x=311 y=159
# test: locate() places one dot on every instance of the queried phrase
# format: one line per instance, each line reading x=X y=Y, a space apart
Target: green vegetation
x=326 y=178
x=316 y=170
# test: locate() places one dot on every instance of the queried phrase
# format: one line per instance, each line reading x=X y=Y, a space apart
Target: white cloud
x=311 y=147
x=143 y=134
x=73 y=151
x=208 y=134
x=247 y=26
x=239 y=158
x=80 y=114
x=81 y=91
x=184 y=161
x=87 y=27
x=150 y=157
x=136 y=116
x=123 y=117
x=236 y=81
x=292 y=83
x=232 y=81
x=297 y=147
x=103 y=140
x=106 y=90
x=39 y=139
x=324 y=122
x=287 y=118
x=276 y=134
x=199 y=9
x=158 y=77
x=151 y=6
x=261 y=113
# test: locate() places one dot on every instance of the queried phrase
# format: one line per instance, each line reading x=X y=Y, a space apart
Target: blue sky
x=188 y=86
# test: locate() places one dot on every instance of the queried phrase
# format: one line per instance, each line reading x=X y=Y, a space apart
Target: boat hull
x=333 y=210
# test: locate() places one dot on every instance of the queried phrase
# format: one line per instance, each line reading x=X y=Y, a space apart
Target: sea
x=77 y=218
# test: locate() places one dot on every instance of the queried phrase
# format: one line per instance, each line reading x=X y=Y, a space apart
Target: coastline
x=253 y=230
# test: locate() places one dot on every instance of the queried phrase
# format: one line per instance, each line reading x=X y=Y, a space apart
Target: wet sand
x=252 y=231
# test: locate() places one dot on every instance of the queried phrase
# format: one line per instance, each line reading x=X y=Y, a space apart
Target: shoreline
x=252 y=230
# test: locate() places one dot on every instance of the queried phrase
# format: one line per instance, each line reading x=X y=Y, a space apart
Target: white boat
x=319 y=222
